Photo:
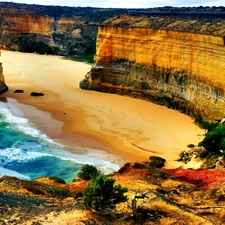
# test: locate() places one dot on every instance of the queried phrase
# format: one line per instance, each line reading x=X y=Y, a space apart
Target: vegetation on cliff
x=172 y=196
x=72 y=31
x=215 y=139
x=87 y=172
x=37 y=47
x=68 y=31
x=161 y=196
x=102 y=194
x=195 y=23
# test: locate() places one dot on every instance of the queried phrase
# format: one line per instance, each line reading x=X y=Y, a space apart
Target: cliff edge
x=163 y=197
x=69 y=31
x=177 y=61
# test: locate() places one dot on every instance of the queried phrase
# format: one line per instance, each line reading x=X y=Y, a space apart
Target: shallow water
x=28 y=153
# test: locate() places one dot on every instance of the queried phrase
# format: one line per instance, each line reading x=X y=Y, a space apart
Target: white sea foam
x=22 y=124
x=15 y=154
x=7 y=172
x=18 y=155
x=44 y=146
x=106 y=162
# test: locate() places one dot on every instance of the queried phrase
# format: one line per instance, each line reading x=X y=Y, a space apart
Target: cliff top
x=91 y=14
x=171 y=197
x=208 y=20
x=196 y=23
x=204 y=20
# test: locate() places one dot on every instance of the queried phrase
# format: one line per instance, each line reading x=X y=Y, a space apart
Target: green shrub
x=215 y=139
x=102 y=194
x=206 y=125
x=88 y=172
x=157 y=161
x=36 y=46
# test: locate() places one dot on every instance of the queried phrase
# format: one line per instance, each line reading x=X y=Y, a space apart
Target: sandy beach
x=130 y=128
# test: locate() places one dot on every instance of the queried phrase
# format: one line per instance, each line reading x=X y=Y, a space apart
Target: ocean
x=27 y=153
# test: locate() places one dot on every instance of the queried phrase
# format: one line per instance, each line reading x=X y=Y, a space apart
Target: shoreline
x=132 y=129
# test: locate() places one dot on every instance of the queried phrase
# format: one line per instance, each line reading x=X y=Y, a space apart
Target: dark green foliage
x=206 y=125
x=102 y=194
x=86 y=56
x=88 y=172
x=57 y=180
x=215 y=139
x=34 y=46
x=156 y=161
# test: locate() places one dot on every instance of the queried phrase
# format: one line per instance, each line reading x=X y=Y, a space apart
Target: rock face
x=3 y=86
x=23 y=23
x=66 y=30
x=174 y=61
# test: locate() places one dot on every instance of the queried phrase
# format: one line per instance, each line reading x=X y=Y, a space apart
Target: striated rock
x=173 y=61
x=25 y=26
x=51 y=29
x=3 y=86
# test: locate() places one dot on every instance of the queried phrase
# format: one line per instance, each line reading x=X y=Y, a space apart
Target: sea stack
x=3 y=86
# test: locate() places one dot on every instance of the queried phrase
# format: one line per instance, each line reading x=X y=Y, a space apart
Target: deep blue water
x=27 y=153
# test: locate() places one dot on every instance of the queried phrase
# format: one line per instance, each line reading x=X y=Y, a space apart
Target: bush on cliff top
x=214 y=140
x=88 y=172
x=102 y=194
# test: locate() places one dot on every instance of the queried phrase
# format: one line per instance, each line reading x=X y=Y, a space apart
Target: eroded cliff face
x=184 y=70
x=3 y=86
x=20 y=25
x=66 y=30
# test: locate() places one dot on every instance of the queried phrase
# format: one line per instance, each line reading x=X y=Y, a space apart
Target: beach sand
x=130 y=128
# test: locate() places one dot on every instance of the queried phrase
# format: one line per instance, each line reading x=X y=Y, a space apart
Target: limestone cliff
x=174 y=61
x=50 y=29
x=3 y=86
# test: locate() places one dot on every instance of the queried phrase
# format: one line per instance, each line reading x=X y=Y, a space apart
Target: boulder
x=36 y=94
x=190 y=145
x=18 y=91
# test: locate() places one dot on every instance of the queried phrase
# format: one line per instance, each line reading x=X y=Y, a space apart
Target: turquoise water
x=27 y=153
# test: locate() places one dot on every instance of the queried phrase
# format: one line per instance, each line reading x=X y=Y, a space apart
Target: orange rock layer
x=21 y=23
x=183 y=70
x=3 y=86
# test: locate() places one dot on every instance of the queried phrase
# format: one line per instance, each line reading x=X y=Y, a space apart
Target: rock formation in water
x=177 y=61
x=3 y=86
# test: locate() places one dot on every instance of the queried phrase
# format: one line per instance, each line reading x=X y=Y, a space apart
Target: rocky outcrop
x=3 y=86
x=171 y=60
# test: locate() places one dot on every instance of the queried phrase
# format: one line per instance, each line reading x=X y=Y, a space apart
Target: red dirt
x=202 y=178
